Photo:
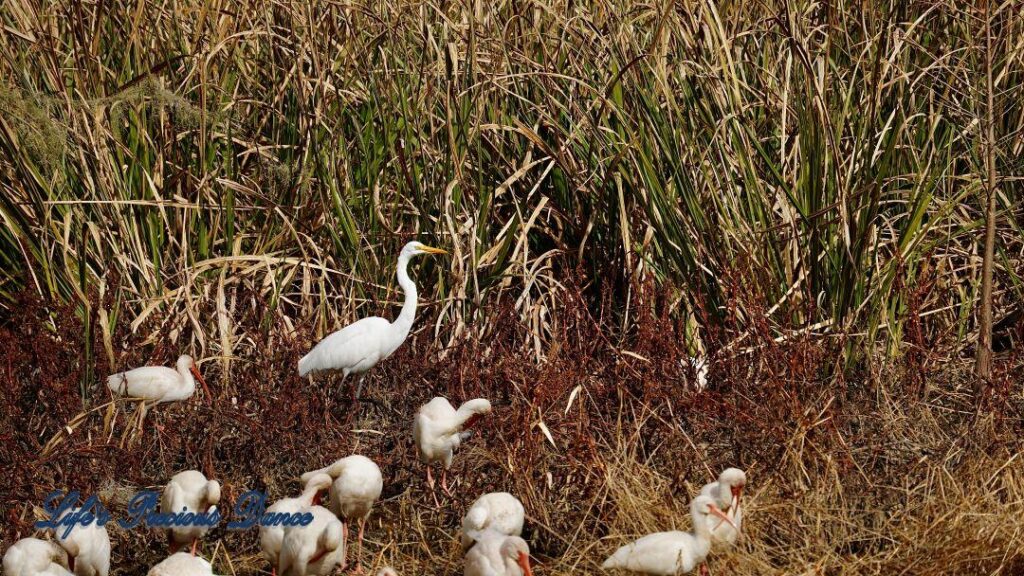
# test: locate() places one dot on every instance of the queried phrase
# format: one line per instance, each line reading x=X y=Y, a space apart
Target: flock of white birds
x=491 y=528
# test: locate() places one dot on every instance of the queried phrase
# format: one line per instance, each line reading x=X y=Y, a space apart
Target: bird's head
x=416 y=248
x=735 y=479
x=184 y=363
x=515 y=548
x=212 y=492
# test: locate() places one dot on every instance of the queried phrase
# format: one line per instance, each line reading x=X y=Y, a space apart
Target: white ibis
x=357 y=485
x=439 y=429
x=34 y=557
x=500 y=512
x=156 y=384
x=726 y=492
x=361 y=345
x=498 y=555
x=189 y=491
x=88 y=547
x=671 y=553
x=314 y=549
x=182 y=564
x=272 y=537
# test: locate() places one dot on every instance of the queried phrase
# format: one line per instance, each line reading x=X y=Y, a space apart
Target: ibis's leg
x=359 y=546
x=195 y=541
x=444 y=483
x=430 y=484
x=704 y=569
x=359 y=387
x=344 y=542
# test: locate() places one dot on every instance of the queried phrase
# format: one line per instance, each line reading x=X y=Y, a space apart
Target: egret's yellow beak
x=432 y=250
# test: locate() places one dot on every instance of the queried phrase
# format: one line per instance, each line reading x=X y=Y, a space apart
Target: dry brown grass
x=867 y=475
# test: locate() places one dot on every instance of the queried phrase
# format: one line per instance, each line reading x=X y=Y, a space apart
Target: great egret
x=272 y=536
x=498 y=555
x=361 y=345
x=671 y=553
x=32 y=556
x=726 y=492
x=357 y=485
x=156 y=384
x=182 y=564
x=314 y=549
x=190 y=491
x=88 y=547
x=500 y=512
x=439 y=429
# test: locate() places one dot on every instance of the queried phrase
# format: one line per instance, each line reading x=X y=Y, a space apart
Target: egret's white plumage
x=500 y=512
x=357 y=485
x=157 y=384
x=700 y=369
x=314 y=549
x=670 y=553
x=189 y=491
x=439 y=429
x=32 y=557
x=88 y=547
x=498 y=555
x=726 y=492
x=361 y=345
x=272 y=537
x=182 y=564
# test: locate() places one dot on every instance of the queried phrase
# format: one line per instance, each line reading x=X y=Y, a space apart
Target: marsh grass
x=869 y=475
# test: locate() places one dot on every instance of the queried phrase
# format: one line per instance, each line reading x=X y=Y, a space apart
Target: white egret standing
x=439 y=429
x=156 y=384
x=32 y=556
x=88 y=547
x=314 y=549
x=497 y=511
x=357 y=485
x=272 y=537
x=670 y=553
x=189 y=491
x=498 y=555
x=182 y=564
x=361 y=345
x=726 y=492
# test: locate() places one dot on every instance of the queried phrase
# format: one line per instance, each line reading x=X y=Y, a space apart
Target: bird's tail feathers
x=616 y=560
x=117 y=383
x=306 y=364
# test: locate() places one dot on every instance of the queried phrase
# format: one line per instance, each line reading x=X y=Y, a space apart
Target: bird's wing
x=662 y=553
x=14 y=559
x=507 y=514
x=711 y=490
x=150 y=382
x=347 y=347
x=171 y=499
x=478 y=563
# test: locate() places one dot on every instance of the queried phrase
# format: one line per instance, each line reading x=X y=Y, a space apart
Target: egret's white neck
x=408 y=314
